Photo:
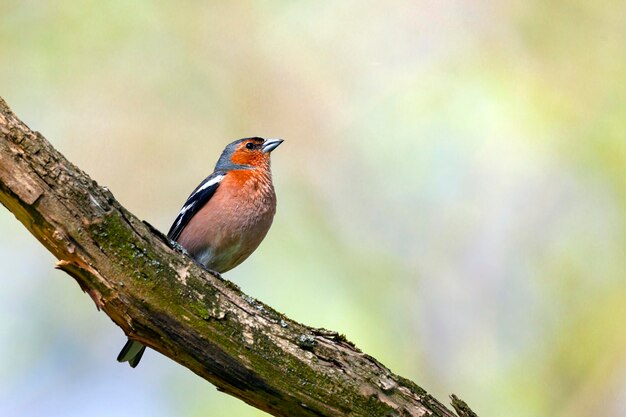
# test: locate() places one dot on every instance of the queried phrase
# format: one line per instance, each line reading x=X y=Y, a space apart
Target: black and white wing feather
x=200 y=196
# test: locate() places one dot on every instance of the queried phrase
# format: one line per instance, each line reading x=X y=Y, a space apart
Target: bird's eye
x=249 y=145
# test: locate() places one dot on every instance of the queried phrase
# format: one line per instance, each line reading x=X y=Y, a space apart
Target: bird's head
x=247 y=153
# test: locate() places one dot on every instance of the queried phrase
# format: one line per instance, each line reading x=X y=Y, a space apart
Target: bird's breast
x=233 y=222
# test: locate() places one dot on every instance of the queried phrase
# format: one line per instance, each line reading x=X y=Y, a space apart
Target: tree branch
x=168 y=302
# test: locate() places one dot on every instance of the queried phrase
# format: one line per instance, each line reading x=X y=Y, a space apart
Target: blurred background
x=452 y=189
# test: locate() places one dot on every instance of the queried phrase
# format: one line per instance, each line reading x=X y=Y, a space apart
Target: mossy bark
x=162 y=298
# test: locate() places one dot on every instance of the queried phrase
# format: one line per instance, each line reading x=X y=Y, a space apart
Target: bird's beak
x=270 y=144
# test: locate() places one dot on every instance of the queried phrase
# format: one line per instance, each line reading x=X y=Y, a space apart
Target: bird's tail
x=131 y=353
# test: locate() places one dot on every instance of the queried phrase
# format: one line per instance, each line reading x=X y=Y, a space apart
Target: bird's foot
x=215 y=273
x=179 y=248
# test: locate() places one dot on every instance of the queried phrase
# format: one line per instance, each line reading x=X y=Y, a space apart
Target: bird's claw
x=178 y=247
x=214 y=273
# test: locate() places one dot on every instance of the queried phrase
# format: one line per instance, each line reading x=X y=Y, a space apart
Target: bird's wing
x=200 y=196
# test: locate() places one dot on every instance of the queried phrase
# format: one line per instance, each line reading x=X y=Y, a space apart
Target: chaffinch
x=227 y=216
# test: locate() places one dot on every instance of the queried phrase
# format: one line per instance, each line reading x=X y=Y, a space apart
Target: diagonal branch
x=165 y=300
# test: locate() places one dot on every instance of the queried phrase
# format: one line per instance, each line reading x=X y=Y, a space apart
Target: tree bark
x=162 y=298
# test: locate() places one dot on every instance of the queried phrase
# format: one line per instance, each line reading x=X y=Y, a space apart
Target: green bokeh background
x=452 y=189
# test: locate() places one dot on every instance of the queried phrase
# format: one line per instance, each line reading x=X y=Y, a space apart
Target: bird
x=226 y=217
